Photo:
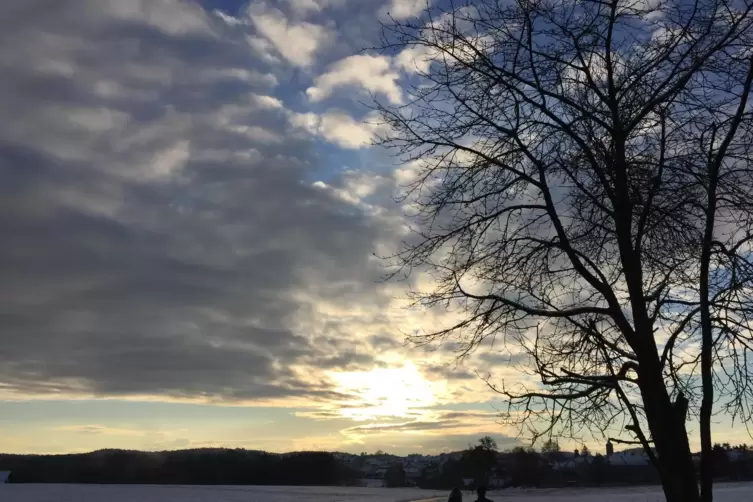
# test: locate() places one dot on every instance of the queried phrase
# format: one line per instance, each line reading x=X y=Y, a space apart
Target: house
x=413 y=473
x=4 y=475
x=633 y=457
x=569 y=461
x=375 y=467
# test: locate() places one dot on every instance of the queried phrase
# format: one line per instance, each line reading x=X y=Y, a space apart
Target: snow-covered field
x=139 y=493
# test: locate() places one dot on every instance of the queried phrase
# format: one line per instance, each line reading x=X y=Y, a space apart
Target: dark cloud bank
x=155 y=221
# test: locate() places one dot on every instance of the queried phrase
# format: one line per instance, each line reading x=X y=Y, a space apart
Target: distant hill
x=199 y=466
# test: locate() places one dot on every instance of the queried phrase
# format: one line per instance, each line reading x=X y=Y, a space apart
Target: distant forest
x=478 y=465
x=202 y=466
x=482 y=465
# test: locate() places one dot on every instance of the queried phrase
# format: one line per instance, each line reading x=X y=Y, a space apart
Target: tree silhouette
x=394 y=476
x=525 y=467
x=583 y=191
x=488 y=443
x=551 y=450
x=550 y=446
x=480 y=460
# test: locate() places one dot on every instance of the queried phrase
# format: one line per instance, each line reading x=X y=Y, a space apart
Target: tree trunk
x=707 y=402
x=673 y=455
x=676 y=467
x=707 y=340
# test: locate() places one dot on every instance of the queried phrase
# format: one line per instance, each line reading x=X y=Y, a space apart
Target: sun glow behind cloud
x=383 y=393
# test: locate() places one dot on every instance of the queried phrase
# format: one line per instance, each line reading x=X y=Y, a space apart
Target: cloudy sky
x=190 y=217
x=190 y=214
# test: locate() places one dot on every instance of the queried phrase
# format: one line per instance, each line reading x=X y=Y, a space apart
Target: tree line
x=200 y=466
x=483 y=465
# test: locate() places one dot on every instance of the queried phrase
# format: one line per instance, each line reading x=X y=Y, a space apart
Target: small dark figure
x=482 y=495
x=455 y=495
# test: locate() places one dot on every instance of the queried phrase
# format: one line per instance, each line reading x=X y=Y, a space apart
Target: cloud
x=160 y=225
x=384 y=341
x=403 y=427
x=172 y=159
x=266 y=102
x=99 y=429
x=161 y=14
x=302 y=7
x=296 y=42
x=364 y=71
x=431 y=432
x=414 y=59
x=448 y=372
x=501 y=359
x=320 y=414
x=173 y=231
x=339 y=128
x=405 y=9
x=242 y=75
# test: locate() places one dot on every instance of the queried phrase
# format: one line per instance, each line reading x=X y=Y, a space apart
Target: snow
x=152 y=493
x=737 y=492
x=733 y=492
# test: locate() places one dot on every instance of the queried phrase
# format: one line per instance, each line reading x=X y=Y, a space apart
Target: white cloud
x=405 y=9
x=307 y=121
x=168 y=162
x=407 y=173
x=246 y=116
x=263 y=49
x=304 y=6
x=227 y=19
x=343 y=130
x=256 y=133
x=355 y=187
x=297 y=43
x=339 y=193
x=652 y=10
x=338 y=127
x=373 y=73
x=414 y=59
x=266 y=102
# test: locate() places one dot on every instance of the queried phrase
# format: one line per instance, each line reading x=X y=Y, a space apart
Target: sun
x=385 y=392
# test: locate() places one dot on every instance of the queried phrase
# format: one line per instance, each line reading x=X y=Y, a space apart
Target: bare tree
x=488 y=443
x=725 y=180
x=584 y=192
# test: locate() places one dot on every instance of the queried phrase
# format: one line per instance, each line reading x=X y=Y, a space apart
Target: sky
x=192 y=220
x=190 y=215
